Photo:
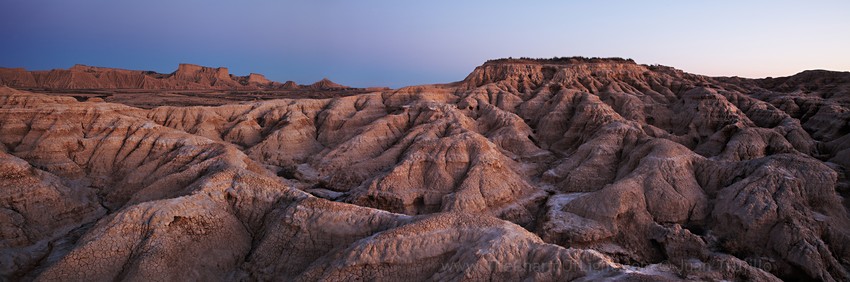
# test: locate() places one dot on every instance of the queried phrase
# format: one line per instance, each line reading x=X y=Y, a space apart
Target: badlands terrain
x=542 y=169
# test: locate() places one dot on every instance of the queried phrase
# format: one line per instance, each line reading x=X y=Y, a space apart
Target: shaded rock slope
x=559 y=169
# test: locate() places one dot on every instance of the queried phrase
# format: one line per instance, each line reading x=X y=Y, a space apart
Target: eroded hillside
x=527 y=169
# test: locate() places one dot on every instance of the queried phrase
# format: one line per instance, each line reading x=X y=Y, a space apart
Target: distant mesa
x=186 y=77
x=257 y=78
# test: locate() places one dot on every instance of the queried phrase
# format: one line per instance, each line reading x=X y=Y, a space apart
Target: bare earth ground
x=553 y=170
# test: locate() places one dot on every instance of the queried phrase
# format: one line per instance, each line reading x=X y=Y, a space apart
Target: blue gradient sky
x=398 y=43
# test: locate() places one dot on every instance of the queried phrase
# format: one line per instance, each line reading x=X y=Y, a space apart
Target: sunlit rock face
x=559 y=169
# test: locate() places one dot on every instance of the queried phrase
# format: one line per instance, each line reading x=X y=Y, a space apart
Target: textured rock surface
x=555 y=169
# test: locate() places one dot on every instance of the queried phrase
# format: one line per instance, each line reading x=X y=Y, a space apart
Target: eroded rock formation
x=554 y=169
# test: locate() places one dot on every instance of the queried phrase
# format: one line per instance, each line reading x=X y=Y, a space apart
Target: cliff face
x=186 y=77
x=527 y=169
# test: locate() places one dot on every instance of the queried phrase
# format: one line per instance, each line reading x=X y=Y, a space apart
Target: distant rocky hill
x=186 y=77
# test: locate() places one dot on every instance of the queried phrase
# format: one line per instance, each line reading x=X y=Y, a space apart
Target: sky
x=400 y=43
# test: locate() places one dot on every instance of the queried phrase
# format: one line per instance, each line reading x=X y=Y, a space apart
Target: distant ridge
x=290 y=85
x=327 y=84
x=186 y=77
